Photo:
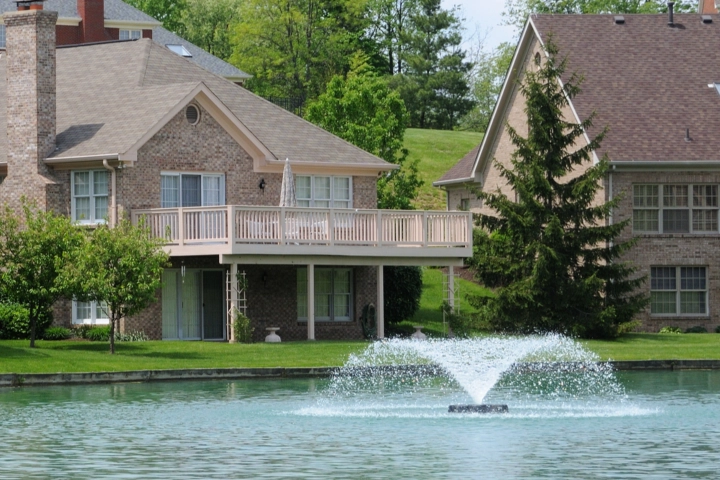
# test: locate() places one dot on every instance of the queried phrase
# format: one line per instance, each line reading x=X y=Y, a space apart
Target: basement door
x=193 y=305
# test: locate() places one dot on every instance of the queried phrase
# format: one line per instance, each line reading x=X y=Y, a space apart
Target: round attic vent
x=192 y=114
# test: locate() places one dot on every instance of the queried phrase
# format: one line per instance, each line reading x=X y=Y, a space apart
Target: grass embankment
x=437 y=151
x=651 y=346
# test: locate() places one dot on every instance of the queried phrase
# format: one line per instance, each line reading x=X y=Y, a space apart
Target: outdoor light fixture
x=262 y=184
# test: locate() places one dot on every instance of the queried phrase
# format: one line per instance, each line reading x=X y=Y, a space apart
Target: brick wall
x=670 y=249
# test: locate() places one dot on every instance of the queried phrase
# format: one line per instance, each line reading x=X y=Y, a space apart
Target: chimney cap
x=29 y=4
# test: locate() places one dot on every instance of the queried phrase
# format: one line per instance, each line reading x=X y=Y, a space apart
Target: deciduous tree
x=551 y=256
x=32 y=252
x=120 y=267
x=169 y=12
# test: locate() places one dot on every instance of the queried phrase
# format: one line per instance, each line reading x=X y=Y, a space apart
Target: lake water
x=663 y=425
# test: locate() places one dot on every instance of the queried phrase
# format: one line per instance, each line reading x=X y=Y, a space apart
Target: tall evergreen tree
x=390 y=27
x=435 y=87
x=551 y=255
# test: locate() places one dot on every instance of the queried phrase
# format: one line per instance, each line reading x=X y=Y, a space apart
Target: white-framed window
x=89 y=191
x=333 y=294
x=130 y=34
x=90 y=313
x=191 y=189
x=323 y=192
x=2 y=35
x=464 y=205
x=675 y=208
x=678 y=291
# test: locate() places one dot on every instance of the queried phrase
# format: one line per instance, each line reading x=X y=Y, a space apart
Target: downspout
x=113 y=203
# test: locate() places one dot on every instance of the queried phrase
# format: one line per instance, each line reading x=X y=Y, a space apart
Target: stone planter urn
x=273 y=337
x=418 y=335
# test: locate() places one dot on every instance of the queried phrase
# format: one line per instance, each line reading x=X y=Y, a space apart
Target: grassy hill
x=438 y=151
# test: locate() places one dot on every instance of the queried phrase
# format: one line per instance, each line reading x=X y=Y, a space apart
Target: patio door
x=213 y=304
x=192 y=305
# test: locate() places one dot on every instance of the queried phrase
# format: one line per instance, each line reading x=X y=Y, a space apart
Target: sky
x=483 y=17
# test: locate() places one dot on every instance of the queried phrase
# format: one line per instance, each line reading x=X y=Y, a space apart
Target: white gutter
x=666 y=165
x=113 y=196
x=441 y=183
x=82 y=158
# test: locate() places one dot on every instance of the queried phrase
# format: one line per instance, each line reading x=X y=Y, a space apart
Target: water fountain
x=551 y=365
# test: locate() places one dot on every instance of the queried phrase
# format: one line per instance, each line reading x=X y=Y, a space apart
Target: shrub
x=717 y=329
x=242 y=329
x=402 y=291
x=368 y=322
x=696 y=329
x=131 y=337
x=15 y=324
x=670 y=330
x=57 y=333
x=98 y=334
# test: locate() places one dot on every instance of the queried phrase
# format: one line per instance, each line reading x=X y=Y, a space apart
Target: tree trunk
x=33 y=326
x=112 y=334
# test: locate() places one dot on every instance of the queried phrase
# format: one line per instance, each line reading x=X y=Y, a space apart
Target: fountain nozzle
x=482 y=408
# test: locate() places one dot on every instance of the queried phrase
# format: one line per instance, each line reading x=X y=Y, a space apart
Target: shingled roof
x=119 y=11
x=110 y=95
x=648 y=82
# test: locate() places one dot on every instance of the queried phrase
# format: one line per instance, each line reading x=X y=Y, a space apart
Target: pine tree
x=551 y=255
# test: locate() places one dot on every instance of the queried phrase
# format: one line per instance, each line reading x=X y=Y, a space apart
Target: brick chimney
x=92 y=26
x=31 y=105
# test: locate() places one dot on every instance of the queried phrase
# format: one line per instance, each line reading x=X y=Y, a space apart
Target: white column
x=451 y=287
x=233 y=300
x=311 y=301
x=380 y=305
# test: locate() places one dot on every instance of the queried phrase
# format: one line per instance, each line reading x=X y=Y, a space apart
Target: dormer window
x=130 y=34
x=180 y=50
x=717 y=87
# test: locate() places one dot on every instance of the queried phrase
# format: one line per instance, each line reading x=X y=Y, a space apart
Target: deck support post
x=380 y=308
x=233 y=301
x=311 y=301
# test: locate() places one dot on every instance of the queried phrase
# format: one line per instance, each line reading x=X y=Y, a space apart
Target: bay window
x=89 y=192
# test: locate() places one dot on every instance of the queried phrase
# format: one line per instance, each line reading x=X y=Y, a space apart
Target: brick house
x=91 y=21
x=656 y=85
x=130 y=128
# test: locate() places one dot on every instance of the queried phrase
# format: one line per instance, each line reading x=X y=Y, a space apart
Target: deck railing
x=234 y=224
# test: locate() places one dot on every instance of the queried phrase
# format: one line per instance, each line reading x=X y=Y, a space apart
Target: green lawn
x=437 y=151
x=650 y=346
x=73 y=356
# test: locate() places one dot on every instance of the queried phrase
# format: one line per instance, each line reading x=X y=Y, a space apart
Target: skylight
x=180 y=50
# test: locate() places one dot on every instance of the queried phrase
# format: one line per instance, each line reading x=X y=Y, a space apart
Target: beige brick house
x=130 y=128
x=656 y=85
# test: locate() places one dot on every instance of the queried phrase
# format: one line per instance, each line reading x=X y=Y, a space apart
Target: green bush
x=696 y=329
x=242 y=329
x=57 y=333
x=402 y=291
x=98 y=334
x=15 y=323
x=717 y=329
x=670 y=330
x=131 y=337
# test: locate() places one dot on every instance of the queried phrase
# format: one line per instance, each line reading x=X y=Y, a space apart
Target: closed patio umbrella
x=287 y=189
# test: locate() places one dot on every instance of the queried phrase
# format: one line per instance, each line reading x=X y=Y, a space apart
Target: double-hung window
x=89 y=191
x=323 y=192
x=91 y=313
x=676 y=291
x=130 y=34
x=191 y=190
x=333 y=294
x=675 y=208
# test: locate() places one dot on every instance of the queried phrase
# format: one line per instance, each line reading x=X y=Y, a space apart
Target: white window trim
x=678 y=290
x=332 y=190
x=203 y=175
x=93 y=320
x=351 y=301
x=661 y=208
x=91 y=220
